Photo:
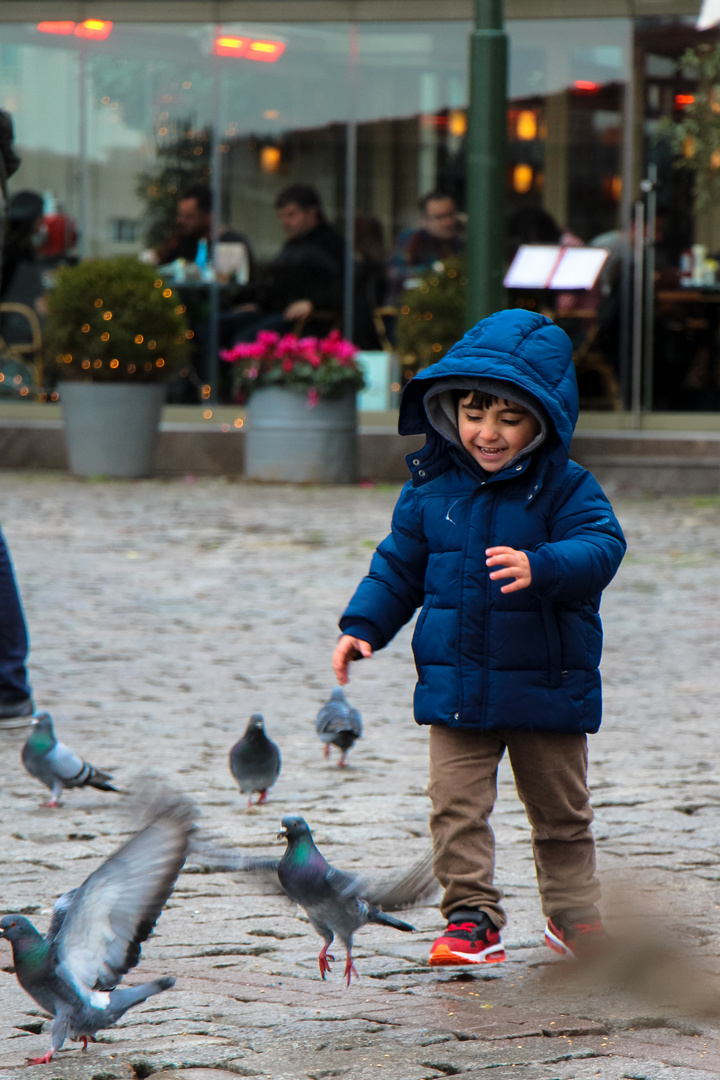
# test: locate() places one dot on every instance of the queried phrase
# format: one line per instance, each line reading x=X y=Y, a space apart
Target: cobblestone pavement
x=163 y=613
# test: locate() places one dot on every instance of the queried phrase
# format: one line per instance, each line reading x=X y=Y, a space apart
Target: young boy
x=506 y=545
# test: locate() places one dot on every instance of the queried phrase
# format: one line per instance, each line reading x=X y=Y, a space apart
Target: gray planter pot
x=111 y=429
x=286 y=440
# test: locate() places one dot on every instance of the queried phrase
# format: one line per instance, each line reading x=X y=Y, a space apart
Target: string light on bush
x=107 y=316
x=139 y=339
x=98 y=303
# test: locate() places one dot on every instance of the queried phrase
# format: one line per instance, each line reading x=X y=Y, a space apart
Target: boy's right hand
x=348 y=649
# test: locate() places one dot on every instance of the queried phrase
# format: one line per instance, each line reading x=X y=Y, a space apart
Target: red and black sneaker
x=468 y=943
x=576 y=933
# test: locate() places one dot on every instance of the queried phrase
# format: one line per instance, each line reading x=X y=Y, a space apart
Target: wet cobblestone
x=163 y=613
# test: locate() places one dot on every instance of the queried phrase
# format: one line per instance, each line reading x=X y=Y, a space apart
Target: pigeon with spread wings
x=97 y=929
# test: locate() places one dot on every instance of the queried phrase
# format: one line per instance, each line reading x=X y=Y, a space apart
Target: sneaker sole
x=12 y=722
x=556 y=944
x=445 y=957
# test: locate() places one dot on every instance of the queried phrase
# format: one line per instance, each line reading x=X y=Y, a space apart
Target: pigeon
x=96 y=930
x=330 y=897
x=255 y=760
x=56 y=765
x=336 y=903
x=338 y=723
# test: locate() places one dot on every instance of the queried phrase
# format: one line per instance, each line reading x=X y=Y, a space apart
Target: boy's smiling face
x=496 y=432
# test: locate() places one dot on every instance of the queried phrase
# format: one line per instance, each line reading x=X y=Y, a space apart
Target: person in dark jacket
x=306 y=275
x=506 y=545
x=9 y=164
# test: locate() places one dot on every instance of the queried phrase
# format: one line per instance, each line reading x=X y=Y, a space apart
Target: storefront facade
x=119 y=105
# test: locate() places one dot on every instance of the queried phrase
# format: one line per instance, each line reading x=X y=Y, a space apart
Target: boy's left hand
x=516 y=563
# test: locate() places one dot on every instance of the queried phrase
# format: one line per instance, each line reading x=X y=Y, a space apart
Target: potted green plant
x=115 y=333
x=431 y=316
x=302 y=416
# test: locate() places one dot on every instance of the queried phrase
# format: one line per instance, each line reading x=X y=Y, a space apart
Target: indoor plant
x=115 y=333
x=302 y=417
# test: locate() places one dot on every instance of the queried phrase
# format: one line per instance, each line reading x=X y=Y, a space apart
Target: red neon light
x=586 y=87
x=95 y=29
x=231 y=46
x=266 y=50
x=63 y=28
x=683 y=100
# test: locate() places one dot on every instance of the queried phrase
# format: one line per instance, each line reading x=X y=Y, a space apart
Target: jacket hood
x=517 y=346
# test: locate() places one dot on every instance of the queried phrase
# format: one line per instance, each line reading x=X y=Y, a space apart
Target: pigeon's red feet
x=85 y=1039
x=51 y=803
x=250 y=803
x=45 y=1060
x=326 y=751
x=323 y=960
x=350 y=968
x=342 y=763
x=263 y=797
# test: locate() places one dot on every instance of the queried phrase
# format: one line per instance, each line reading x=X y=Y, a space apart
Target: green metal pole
x=486 y=164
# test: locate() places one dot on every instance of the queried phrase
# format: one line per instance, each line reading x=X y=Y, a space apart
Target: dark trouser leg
x=551 y=779
x=463 y=788
x=14 y=685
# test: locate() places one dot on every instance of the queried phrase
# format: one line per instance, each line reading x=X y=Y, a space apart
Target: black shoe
x=14 y=714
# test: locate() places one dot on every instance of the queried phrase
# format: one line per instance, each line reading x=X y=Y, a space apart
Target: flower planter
x=111 y=429
x=289 y=440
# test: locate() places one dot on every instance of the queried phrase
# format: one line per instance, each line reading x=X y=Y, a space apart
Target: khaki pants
x=551 y=779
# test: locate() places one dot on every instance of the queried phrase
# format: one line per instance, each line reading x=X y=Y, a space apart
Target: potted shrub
x=115 y=334
x=302 y=417
x=431 y=316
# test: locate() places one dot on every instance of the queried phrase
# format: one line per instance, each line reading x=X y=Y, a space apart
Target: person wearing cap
x=506 y=546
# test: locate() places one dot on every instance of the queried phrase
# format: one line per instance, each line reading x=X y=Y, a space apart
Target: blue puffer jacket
x=486 y=660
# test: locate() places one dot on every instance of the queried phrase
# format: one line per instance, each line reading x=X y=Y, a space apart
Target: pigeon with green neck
x=96 y=930
x=332 y=899
x=56 y=765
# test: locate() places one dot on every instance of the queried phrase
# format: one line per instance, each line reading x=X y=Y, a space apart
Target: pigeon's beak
x=34 y=721
x=282 y=835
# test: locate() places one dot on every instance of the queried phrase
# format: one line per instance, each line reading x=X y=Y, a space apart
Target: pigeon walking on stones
x=332 y=899
x=339 y=724
x=56 y=765
x=255 y=760
x=96 y=930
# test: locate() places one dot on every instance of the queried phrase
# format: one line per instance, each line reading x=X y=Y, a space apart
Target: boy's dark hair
x=202 y=194
x=433 y=196
x=479 y=400
x=304 y=195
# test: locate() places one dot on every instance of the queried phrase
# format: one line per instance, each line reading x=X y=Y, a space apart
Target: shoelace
x=472 y=928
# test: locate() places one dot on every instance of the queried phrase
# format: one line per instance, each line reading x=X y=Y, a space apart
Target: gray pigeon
x=255 y=760
x=56 y=765
x=96 y=930
x=336 y=903
x=339 y=724
x=332 y=899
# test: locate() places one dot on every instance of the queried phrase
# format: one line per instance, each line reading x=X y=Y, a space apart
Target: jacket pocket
x=419 y=626
x=552 y=640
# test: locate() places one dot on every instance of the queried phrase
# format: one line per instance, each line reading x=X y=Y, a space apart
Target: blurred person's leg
x=15 y=693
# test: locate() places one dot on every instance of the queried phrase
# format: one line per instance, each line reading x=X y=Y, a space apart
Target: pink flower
x=287 y=365
x=252 y=373
x=312 y=397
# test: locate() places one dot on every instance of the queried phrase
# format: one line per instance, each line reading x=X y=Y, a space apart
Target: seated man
x=194 y=222
x=438 y=238
x=305 y=276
